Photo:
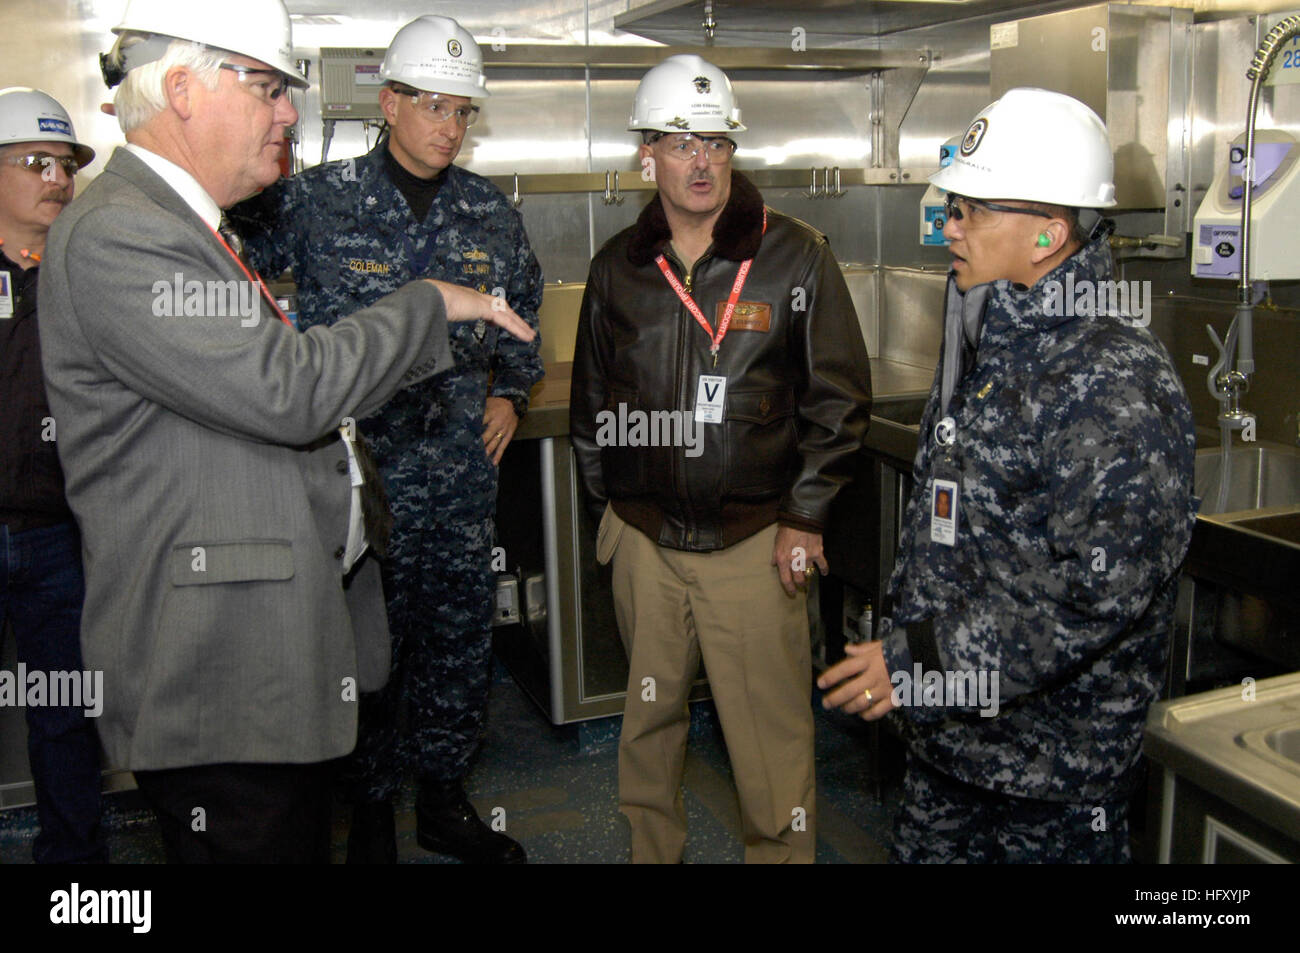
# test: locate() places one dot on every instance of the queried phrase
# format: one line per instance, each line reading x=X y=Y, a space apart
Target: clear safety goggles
x=686 y=146
x=439 y=109
x=268 y=90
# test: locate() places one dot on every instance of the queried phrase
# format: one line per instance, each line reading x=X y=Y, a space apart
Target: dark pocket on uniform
x=761 y=442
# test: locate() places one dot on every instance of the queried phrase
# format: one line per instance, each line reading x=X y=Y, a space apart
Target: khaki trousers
x=727 y=605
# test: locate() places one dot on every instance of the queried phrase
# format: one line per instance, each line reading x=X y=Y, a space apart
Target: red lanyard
x=694 y=308
x=250 y=276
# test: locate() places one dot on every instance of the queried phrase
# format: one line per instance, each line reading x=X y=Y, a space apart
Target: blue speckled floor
x=558 y=788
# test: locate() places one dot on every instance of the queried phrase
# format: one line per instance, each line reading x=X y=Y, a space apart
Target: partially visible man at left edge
x=41 y=583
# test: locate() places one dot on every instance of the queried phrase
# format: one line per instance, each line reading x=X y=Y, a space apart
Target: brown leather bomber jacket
x=798 y=383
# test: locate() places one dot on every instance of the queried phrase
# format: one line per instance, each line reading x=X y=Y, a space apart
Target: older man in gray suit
x=229 y=602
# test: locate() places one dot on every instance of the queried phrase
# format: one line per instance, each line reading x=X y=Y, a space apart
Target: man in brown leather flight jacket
x=720 y=391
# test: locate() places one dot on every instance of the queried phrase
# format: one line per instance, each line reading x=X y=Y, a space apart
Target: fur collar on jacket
x=736 y=234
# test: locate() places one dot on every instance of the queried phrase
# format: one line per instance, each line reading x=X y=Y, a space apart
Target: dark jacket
x=798 y=388
x=31 y=482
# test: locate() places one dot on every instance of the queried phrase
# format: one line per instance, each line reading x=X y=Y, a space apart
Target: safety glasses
x=267 y=90
x=977 y=213
x=439 y=110
x=686 y=146
x=43 y=164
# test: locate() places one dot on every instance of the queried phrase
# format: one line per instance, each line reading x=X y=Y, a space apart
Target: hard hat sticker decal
x=54 y=125
x=453 y=47
x=973 y=136
x=702 y=84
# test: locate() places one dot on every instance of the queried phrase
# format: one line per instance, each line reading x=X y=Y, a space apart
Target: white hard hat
x=438 y=55
x=1034 y=145
x=685 y=93
x=258 y=29
x=29 y=115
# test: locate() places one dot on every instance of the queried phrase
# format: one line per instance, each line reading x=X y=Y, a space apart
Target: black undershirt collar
x=419 y=193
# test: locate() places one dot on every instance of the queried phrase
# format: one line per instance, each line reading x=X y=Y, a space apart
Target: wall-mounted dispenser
x=1216 y=252
x=933 y=217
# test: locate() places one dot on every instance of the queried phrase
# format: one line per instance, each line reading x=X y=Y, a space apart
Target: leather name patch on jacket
x=748 y=316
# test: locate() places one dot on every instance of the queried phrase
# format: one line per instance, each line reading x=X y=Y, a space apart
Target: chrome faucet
x=1227 y=383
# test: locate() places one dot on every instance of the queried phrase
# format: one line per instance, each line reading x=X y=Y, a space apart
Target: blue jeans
x=41 y=592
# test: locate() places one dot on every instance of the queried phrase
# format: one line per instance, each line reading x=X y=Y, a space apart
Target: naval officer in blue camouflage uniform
x=1034 y=588
x=353 y=231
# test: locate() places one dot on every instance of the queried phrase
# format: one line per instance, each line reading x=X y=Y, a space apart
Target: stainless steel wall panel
x=1117 y=59
x=54 y=46
x=848 y=222
x=808 y=119
x=609 y=220
x=864 y=289
x=911 y=315
x=612 y=146
x=1182 y=306
x=900 y=230
x=954 y=89
x=558 y=228
x=1221 y=52
x=943 y=108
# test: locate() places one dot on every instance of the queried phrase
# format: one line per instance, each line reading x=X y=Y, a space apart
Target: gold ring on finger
x=867 y=692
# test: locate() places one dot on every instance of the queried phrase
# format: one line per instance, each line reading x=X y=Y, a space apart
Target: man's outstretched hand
x=466 y=304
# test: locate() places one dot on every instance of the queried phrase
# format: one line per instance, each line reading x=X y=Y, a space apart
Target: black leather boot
x=372 y=838
x=447 y=823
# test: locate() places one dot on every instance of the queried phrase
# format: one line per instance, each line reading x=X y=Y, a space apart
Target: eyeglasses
x=687 y=146
x=268 y=91
x=46 y=162
x=440 y=110
x=976 y=213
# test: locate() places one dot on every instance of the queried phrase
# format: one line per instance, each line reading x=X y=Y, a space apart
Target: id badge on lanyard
x=945 y=486
x=711 y=390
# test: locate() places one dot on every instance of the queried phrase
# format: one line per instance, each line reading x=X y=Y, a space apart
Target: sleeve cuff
x=800 y=523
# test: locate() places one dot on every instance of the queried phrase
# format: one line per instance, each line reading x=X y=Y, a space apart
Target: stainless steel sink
x=907 y=411
x=894 y=427
x=1241 y=746
x=1286 y=742
x=1254 y=551
x=1283 y=526
x=1263 y=475
x=1278 y=746
x=1249 y=553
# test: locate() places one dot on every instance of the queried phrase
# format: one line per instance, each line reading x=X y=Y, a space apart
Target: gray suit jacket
x=204 y=466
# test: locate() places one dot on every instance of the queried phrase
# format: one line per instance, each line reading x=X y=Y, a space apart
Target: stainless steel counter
x=1239 y=745
x=548 y=412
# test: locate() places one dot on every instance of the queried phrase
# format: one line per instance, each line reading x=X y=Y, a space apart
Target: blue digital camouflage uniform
x=1075 y=446
x=350 y=238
